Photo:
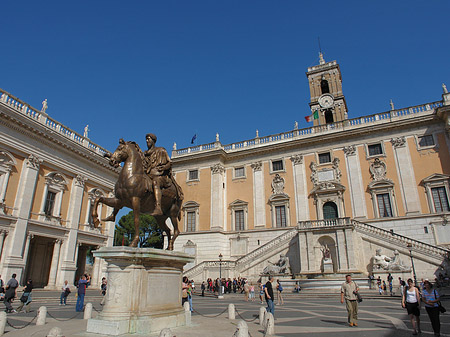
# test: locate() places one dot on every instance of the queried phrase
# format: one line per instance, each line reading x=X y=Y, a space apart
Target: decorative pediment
x=7 y=161
x=189 y=243
x=238 y=203
x=190 y=204
x=56 y=179
x=278 y=197
x=328 y=187
x=434 y=178
x=384 y=183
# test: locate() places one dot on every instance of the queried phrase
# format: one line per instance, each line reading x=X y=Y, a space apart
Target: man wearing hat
x=158 y=168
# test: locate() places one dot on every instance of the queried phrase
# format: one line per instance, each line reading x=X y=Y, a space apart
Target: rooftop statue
x=44 y=105
x=146 y=185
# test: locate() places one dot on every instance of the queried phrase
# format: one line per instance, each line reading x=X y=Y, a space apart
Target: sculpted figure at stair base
x=145 y=185
x=388 y=263
x=280 y=267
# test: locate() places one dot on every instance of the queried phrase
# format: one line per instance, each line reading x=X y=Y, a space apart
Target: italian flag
x=310 y=118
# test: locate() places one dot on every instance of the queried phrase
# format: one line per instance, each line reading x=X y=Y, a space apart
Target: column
x=405 y=172
x=356 y=188
x=95 y=281
x=301 y=194
x=259 y=201
x=14 y=261
x=217 y=196
x=69 y=247
x=55 y=264
x=342 y=250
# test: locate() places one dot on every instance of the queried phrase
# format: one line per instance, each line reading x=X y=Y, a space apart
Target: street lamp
x=220 y=275
x=409 y=245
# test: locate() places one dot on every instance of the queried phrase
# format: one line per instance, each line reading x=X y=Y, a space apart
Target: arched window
x=324 y=86
x=329 y=117
x=330 y=210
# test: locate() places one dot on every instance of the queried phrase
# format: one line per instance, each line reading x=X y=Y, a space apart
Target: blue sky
x=177 y=68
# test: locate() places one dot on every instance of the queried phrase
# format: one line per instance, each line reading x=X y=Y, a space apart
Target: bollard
x=242 y=329
x=231 y=311
x=166 y=332
x=42 y=315
x=88 y=311
x=262 y=313
x=2 y=322
x=270 y=324
x=187 y=312
x=55 y=332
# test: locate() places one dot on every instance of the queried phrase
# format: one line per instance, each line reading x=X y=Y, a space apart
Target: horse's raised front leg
x=136 y=204
x=175 y=232
x=111 y=202
x=112 y=217
x=161 y=220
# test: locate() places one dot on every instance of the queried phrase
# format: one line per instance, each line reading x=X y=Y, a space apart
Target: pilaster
x=406 y=176
x=217 y=196
x=303 y=251
x=342 y=250
x=354 y=175
x=310 y=253
x=301 y=194
x=259 y=195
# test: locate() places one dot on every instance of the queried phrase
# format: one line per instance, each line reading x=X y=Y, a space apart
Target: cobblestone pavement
x=305 y=315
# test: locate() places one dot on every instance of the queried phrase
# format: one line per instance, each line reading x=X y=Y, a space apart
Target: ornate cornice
x=350 y=150
x=33 y=162
x=398 y=142
x=297 y=159
x=256 y=166
x=217 y=169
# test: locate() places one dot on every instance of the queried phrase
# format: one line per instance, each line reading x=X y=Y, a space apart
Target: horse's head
x=120 y=154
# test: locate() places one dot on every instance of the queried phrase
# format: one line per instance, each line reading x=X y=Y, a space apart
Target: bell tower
x=327 y=98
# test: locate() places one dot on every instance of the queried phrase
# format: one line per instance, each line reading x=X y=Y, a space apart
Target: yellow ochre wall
x=242 y=189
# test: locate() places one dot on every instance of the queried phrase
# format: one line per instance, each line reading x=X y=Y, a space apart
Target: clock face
x=326 y=101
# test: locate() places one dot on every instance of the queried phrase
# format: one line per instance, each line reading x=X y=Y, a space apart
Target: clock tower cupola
x=327 y=98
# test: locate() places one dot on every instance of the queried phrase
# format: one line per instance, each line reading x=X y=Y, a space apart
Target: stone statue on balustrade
x=44 y=105
x=383 y=262
x=281 y=267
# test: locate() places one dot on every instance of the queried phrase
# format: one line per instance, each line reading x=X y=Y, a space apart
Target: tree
x=150 y=235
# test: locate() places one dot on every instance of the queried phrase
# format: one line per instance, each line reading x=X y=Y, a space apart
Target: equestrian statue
x=146 y=185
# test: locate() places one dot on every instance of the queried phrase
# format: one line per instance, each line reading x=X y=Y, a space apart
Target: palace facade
x=49 y=177
x=350 y=185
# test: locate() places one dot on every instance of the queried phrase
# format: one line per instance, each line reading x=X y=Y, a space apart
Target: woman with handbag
x=26 y=299
x=411 y=301
x=431 y=299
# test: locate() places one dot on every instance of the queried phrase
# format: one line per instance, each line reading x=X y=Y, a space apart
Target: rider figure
x=158 y=168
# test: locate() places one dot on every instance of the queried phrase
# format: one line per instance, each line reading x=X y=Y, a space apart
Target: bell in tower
x=325 y=85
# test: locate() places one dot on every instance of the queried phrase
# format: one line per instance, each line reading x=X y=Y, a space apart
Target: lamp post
x=220 y=275
x=409 y=245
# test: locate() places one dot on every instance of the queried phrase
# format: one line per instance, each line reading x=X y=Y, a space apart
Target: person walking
x=190 y=293
x=26 y=298
x=279 y=290
x=252 y=292
x=380 y=287
x=203 y=287
x=65 y=292
x=103 y=289
x=431 y=298
x=184 y=290
x=390 y=279
x=349 y=289
x=411 y=301
x=82 y=285
x=261 y=291
x=11 y=293
x=268 y=290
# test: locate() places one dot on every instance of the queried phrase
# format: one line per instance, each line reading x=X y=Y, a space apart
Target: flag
x=315 y=115
x=193 y=139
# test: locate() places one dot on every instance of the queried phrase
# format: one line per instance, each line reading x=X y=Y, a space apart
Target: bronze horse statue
x=134 y=190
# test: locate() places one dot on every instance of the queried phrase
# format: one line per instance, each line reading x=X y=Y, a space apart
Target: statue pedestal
x=328 y=266
x=144 y=291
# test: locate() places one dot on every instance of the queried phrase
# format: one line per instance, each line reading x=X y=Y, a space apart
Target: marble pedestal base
x=328 y=266
x=144 y=291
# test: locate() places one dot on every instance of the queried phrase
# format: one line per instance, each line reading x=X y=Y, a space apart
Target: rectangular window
x=239 y=172
x=440 y=199
x=277 y=165
x=190 y=224
x=49 y=203
x=193 y=175
x=324 y=158
x=239 y=220
x=425 y=229
x=280 y=216
x=384 y=205
x=426 y=140
x=375 y=149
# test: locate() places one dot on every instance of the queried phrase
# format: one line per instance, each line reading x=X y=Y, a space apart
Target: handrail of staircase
x=244 y=259
x=202 y=265
x=413 y=242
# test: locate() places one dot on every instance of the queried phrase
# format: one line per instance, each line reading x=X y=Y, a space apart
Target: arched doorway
x=330 y=210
